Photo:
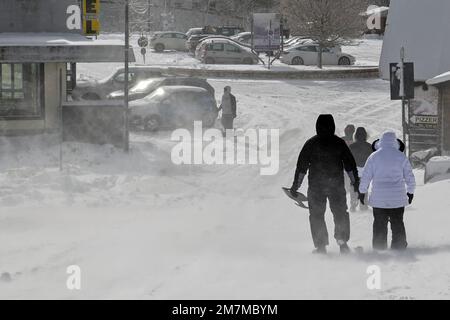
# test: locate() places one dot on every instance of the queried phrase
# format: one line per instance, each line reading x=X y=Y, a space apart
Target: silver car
x=243 y=37
x=173 y=107
x=169 y=40
x=99 y=90
x=225 y=51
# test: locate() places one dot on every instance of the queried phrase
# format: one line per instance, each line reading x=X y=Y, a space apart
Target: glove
x=362 y=197
x=410 y=197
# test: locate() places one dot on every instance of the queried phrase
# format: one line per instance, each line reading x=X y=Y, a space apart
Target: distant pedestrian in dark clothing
x=229 y=108
x=393 y=184
x=348 y=138
x=326 y=157
x=349 y=131
x=361 y=150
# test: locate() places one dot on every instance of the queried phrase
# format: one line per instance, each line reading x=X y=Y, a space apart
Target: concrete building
x=442 y=83
x=422 y=29
x=38 y=40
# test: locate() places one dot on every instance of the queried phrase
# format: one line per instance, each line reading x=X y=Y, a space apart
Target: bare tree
x=330 y=23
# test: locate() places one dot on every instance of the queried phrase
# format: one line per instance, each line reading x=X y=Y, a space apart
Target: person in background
x=229 y=108
x=348 y=138
x=326 y=156
x=393 y=185
x=361 y=150
x=349 y=131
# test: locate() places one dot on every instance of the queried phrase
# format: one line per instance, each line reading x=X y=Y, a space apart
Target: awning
x=440 y=79
x=51 y=47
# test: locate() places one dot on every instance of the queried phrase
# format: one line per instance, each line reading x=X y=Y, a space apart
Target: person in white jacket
x=393 y=185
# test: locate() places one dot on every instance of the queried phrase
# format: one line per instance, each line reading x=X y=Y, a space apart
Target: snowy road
x=141 y=227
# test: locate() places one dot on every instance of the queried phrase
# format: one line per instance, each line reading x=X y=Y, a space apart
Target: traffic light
x=91 y=22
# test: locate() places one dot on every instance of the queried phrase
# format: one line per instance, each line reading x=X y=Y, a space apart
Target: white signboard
x=266 y=32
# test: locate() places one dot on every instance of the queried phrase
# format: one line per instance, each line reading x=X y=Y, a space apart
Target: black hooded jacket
x=326 y=156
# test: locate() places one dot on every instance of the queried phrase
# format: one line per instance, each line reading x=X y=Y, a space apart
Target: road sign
x=402 y=80
x=91 y=22
x=143 y=42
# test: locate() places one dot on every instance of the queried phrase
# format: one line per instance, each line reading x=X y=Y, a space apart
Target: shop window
x=21 y=93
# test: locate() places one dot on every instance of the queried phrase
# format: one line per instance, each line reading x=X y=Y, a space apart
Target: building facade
x=38 y=40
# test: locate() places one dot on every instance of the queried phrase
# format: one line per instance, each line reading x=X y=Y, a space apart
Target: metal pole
x=127 y=48
x=61 y=121
x=270 y=42
x=402 y=92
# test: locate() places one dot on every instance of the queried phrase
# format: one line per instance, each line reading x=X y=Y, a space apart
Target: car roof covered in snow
x=422 y=28
x=172 y=89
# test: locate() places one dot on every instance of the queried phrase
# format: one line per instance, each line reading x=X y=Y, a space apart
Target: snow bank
x=438 y=168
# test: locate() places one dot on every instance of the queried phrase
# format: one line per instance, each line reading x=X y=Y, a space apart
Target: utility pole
x=402 y=92
x=127 y=48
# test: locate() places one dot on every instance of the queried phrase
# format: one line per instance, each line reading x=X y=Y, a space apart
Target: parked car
x=99 y=90
x=229 y=31
x=204 y=41
x=195 y=38
x=168 y=40
x=193 y=41
x=193 y=31
x=308 y=54
x=173 y=107
x=226 y=52
x=148 y=86
x=243 y=37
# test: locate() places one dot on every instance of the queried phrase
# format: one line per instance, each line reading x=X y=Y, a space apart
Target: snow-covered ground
x=141 y=227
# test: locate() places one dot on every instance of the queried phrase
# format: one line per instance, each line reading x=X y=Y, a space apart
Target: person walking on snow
x=229 y=108
x=326 y=156
x=348 y=138
x=393 y=185
x=361 y=150
x=349 y=131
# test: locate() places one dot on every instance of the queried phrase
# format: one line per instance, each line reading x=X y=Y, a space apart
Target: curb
x=357 y=73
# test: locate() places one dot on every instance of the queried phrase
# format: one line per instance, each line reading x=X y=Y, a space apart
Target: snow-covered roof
x=422 y=28
x=376 y=10
x=59 y=47
x=52 y=39
x=442 y=78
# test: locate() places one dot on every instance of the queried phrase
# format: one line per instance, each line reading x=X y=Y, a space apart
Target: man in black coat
x=326 y=156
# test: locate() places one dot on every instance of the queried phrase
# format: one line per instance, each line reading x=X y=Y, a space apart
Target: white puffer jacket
x=390 y=173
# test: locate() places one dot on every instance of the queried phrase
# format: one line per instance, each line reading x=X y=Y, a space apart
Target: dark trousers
x=227 y=121
x=395 y=217
x=317 y=201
